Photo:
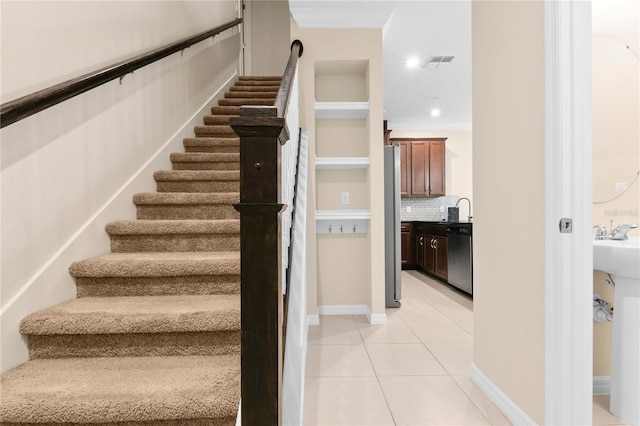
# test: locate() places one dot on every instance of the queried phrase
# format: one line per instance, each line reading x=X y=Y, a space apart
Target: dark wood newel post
x=261 y=133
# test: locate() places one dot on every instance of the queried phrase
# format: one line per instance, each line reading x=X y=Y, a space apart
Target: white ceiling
x=432 y=27
x=410 y=28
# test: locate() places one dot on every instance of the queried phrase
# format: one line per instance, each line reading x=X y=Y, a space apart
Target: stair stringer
x=52 y=284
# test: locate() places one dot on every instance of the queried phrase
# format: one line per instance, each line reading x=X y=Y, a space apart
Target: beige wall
x=616 y=147
x=65 y=170
x=270 y=36
x=345 y=45
x=458 y=158
x=508 y=188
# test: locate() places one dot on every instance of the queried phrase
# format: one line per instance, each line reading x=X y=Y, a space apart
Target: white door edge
x=568 y=193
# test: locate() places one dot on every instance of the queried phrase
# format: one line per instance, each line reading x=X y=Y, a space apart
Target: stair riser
x=261 y=87
x=254 y=95
x=186 y=211
x=215 y=132
x=134 y=344
x=171 y=243
x=217 y=120
x=198 y=186
x=245 y=101
x=202 y=165
x=225 y=110
x=220 y=149
x=157 y=286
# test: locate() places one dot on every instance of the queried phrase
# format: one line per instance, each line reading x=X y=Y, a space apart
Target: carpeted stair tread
x=225 y=110
x=187 y=175
x=271 y=89
x=186 y=205
x=174 y=235
x=205 y=161
x=219 y=131
x=166 y=390
x=160 y=227
x=157 y=264
x=260 y=78
x=217 y=119
x=212 y=145
x=139 y=314
x=253 y=94
x=178 y=198
x=245 y=101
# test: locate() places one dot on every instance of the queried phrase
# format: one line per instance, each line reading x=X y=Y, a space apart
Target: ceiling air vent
x=438 y=62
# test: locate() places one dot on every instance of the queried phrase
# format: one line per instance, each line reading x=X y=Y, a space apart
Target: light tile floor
x=413 y=370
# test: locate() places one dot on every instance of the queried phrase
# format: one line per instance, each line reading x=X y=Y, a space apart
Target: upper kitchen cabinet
x=422 y=166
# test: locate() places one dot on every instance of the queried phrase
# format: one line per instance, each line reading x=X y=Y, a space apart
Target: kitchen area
x=434 y=227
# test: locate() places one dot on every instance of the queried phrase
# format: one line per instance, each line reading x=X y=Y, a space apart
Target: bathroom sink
x=622 y=258
x=619 y=257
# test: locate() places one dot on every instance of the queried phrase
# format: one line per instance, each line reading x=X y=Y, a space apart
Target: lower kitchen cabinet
x=431 y=248
x=406 y=240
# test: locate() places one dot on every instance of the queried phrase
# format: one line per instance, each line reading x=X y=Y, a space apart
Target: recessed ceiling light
x=413 y=62
x=435 y=112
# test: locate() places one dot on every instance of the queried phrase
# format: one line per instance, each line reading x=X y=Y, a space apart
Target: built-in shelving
x=341 y=163
x=343 y=214
x=342 y=222
x=344 y=110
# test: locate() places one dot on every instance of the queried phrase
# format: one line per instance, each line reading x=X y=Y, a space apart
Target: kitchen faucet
x=469 y=201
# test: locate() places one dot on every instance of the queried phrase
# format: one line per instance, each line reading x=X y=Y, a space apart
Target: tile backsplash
x=426 y=208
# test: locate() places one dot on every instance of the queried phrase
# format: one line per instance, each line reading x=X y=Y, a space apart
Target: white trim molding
x=352 y=310
x=505 y=404
x=568 y=187
x=313 y=319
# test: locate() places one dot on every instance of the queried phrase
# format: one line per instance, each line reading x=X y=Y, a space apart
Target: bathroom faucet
x=617 y=233
x=620 y=231
x=469 y=201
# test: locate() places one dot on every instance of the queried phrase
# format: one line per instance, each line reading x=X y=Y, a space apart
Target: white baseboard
x=602 y=385
x=376 y=319
x=509 y=408
x=52 y=284
x=352 y=310
x=313 y=319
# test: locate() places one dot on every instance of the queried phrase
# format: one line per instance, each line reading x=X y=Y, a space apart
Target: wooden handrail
x=284 y=93
x=262 y=131
x=16 y=110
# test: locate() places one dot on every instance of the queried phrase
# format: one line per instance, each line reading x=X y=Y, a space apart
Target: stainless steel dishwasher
x=460 y=256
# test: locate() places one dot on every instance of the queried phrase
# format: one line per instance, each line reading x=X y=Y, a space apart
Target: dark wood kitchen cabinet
x=418 y=239
x=431 y=248
x=406 y=241
x=422 y=167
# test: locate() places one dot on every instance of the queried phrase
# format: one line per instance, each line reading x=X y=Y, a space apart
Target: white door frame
x=568 y=193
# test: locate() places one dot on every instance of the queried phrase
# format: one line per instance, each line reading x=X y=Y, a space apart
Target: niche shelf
x=344 y=110
x=342 y=221
x=340 y=163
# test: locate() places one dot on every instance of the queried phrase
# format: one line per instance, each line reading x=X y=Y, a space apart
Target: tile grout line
x=393 y=419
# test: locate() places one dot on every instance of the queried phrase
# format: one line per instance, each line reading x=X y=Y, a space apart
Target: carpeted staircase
x=153 y=337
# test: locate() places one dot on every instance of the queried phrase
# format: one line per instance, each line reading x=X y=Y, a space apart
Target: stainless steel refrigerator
x=392 y=225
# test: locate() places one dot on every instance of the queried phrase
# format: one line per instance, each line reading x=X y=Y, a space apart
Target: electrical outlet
x=441 y=209
x=344 y=198
x=408 y=209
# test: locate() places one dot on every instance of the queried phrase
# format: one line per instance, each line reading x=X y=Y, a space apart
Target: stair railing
x=267 y=167
x=18 y=109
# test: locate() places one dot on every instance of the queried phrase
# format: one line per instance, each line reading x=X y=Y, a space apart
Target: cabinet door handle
x=430 y=189
x=435 y=243
x=421 y=240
